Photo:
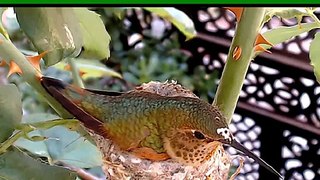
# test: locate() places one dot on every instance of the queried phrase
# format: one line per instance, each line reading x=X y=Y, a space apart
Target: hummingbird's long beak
x=235 y=144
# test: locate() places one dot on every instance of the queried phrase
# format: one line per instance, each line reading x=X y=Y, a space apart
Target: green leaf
x=177 y=18
x=118 y=11
x=282 y=34
x=315 y=56
x=96 y=38
x=2 y=29
x=61 y=144
x=10 y=110
x=52 y=29
x=91 y=69
x=286 y=13
x=16 y=165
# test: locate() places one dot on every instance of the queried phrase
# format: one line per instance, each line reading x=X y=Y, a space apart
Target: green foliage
x=155 y=61
x=60 y=144
x=10 y=110
x=315 y=55
x=61 y=35
x=2 y=29
x=16 y=165
x=51 y=139
x=287 y=13
x=91 y=69
x=177 y=18
x=282 y=34
x=68 y=34
x=95 y=45
x=80 y=34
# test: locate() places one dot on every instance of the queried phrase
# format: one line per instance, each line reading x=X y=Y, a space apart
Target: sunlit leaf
x=65 y=32
x=3 y=31
x=91 y=69
x=61 y=144
x=52 y=29
x=315 y=55
x=10 y=110
x=285 y=13
x=281 y=34
x=17 y=165
x=95 y=37
x=177 y=18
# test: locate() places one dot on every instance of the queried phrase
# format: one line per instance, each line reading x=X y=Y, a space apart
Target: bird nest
x=119 y=164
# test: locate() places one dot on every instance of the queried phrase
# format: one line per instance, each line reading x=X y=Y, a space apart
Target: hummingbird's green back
x=143 y=117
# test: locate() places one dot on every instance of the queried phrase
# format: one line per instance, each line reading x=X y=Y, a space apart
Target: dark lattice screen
x=278 y=114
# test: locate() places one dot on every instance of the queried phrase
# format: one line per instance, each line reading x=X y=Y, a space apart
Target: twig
x=75 y=73
x=83 y=174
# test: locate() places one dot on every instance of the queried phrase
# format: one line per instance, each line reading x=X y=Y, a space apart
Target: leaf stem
x=234 y=72
x=315 y=18
x=6 y=144
x=24 y=129
x=75 y=73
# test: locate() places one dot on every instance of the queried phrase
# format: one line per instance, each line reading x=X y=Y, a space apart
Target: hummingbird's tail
x=67 y=95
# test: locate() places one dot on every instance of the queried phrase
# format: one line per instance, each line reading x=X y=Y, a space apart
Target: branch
x=9 y=53
x=235 y=70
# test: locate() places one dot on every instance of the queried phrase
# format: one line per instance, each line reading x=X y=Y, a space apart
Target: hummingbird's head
x=212 y=124
x=189 y=146
x=196 y=139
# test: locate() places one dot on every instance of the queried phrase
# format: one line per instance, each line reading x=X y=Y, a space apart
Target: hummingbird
x=149 y=125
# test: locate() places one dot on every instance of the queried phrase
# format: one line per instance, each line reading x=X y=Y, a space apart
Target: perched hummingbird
x=149 y=125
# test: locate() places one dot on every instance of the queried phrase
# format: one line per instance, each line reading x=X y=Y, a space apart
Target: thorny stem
x=235 y=71
x=8 y=52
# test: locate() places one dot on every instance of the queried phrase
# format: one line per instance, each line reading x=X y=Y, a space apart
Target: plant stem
x=75 y=73
x=6 y=144
x=9 y=52
x=235 y=70
x=26 y=128
x=315 y=18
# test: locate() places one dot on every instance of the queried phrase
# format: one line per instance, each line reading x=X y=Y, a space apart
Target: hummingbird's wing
x=107 y=93
x=56 y=89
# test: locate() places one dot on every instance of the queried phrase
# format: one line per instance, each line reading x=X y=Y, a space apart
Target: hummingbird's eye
x=198 y=135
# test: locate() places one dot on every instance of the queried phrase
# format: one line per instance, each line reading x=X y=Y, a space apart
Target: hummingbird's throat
x=186 y=149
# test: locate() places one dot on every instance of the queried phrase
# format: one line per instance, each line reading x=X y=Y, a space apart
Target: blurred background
x=278 y=113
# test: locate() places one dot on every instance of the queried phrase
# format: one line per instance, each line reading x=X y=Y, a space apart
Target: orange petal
x=258 y=48
x=237 y=53
x=67 y=67
x=237 y=11
x=3 y=63
x=35 y=60
x=81 y=73
x=14 y=68
x=261 y=40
